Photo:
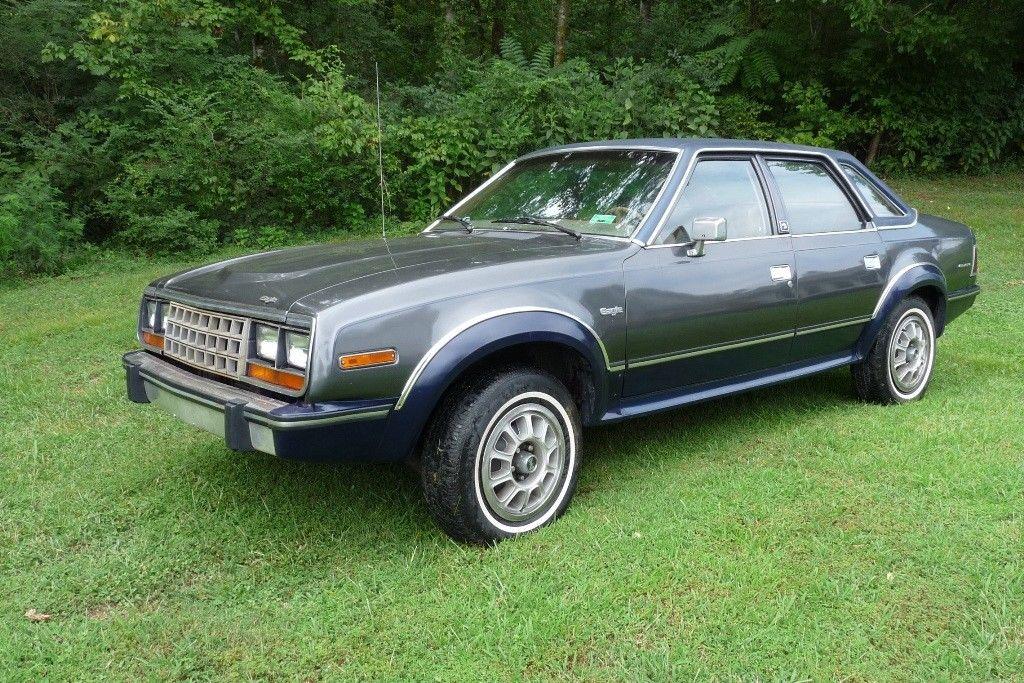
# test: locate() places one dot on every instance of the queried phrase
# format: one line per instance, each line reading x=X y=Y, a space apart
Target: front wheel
x=899 y=365
x=501 y=457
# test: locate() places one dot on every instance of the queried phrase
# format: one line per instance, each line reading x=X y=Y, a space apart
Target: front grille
x=211 y=341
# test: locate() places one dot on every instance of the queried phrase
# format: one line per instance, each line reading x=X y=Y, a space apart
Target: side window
x=813 y=200
x=720 y=188
x=879 y=203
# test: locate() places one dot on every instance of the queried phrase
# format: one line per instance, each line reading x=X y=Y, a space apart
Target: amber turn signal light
x=368 y=359
x=288 y=380
x=152 y=339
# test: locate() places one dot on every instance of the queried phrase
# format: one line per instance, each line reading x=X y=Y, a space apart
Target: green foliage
x=173 y=231
x=726 y=50
x=265 y=237
x=36 y=232
x=810 y=119
x=512 y=52
x=519 y=103
x=178 y=125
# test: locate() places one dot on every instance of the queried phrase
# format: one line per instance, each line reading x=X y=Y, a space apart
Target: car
x=579 y=285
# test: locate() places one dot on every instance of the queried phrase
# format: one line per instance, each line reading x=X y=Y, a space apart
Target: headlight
x=266 y=342
x=296 y=349
x=151 y=315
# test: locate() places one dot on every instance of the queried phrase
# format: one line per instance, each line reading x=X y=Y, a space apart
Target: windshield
x=594 y=192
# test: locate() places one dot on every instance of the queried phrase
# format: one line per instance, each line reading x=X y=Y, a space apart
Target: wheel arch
x=916 y=279
x=558 y=342
x=935 y=297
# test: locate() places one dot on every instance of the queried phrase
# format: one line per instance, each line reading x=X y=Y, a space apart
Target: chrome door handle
x=872 y=262
x=781 y=273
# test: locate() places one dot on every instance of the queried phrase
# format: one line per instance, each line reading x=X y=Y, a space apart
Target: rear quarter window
x=880 y=204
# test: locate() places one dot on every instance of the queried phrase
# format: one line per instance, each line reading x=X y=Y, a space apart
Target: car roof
x=690 y=144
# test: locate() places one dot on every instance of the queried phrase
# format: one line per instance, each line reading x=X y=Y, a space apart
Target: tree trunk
x=645 y=11
x=753 y=14
x=561 y=30
x=876 y=140
x=497 y=26
x=480 y=24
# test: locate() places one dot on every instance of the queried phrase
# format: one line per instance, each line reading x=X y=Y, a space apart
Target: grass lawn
x=786 y=534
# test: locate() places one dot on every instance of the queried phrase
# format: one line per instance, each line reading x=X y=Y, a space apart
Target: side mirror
x=706 y=230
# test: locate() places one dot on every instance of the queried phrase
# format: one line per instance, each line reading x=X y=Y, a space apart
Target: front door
x=697 y=319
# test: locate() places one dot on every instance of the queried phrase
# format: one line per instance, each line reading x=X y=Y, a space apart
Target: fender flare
x=476 y=339
x=906 y=280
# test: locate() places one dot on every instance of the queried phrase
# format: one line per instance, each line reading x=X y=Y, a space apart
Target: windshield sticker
x=603 y=218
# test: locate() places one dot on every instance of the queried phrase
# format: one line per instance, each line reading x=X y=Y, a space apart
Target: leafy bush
x=175 y=231
x=178 y=125
x=515 y=104
x=266 y=237
x=36 y=233
x=811 y=121
x=246 y=153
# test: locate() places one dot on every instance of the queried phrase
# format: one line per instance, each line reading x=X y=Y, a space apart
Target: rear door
x=696 y=319
x=838 y=252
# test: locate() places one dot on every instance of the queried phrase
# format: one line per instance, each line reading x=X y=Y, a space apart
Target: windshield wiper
x=534 y=220
x=464 y=222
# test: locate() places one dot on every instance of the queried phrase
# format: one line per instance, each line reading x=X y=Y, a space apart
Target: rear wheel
x=899 y=365
x=501 y=456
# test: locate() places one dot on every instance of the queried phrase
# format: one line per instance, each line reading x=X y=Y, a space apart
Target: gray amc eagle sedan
x=580 y=285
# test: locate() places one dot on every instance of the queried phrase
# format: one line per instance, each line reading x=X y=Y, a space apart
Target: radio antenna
x=380 y=153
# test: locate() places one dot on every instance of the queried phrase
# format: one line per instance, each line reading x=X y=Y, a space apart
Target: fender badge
x=614 y=310
x=268 y=299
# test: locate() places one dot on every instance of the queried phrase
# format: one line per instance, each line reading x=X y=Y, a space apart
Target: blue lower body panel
x=960 y=300
x=347 y=441
x=667 y=400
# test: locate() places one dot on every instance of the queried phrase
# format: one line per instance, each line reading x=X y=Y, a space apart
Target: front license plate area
x=196 y=414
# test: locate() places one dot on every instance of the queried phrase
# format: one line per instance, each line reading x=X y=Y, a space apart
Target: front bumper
x=247 y=421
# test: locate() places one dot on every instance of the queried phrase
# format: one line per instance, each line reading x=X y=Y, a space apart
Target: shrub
x=266 y=237
x=181 y=124
x=175 y=231
x=514 y=105
x=36 y=232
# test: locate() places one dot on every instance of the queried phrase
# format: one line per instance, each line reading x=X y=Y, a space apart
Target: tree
x=183 y=123
x=561 y=29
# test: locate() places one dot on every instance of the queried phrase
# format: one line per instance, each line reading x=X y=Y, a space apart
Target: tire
x=532 y=475
x=899 y=365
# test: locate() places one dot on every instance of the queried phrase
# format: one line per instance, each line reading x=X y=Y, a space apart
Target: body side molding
x=704 y=350
x=667 y=400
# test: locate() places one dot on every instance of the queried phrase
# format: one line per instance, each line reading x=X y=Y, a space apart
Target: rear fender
x=906 y=280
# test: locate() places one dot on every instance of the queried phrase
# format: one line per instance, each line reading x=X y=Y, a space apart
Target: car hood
x=271 y=283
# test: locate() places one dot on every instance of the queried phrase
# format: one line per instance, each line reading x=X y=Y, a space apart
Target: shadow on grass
x=382 y=504
x=366 y=503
